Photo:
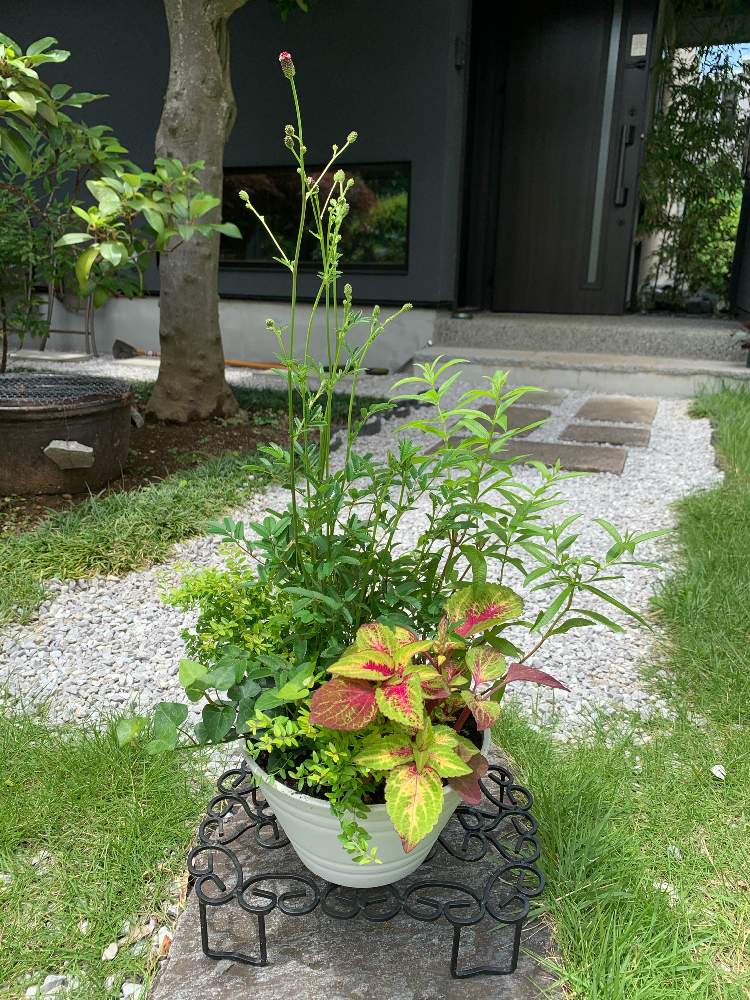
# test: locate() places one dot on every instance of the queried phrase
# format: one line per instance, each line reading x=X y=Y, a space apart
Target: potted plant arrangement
x=364 y=674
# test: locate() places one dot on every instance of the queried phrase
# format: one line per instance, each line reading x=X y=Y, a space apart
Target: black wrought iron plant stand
x=495 y=844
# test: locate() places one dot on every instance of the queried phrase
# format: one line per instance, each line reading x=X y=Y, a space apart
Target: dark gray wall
x=386 y=68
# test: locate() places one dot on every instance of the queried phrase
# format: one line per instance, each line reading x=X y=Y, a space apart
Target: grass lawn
x=107 y=829
x=116 y=533
x=648 y=854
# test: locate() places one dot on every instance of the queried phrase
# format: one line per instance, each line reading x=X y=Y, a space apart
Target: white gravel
x=105 y=643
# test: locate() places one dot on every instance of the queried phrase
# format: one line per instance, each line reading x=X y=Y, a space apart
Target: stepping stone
x=619 y=409
x=574 y=457
x=520 y=416
x=607 y=434
x=547 y=397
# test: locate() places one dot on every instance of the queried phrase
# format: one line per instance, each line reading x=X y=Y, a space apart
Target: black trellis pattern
x=500 y=835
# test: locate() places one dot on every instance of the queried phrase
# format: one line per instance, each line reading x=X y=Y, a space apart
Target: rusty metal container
x=36 y=409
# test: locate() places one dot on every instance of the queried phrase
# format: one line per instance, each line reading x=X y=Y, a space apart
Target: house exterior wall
x=386 y=68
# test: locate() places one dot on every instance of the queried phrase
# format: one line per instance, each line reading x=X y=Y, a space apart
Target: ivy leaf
x=128 y=730
x=402 y=701
x=485 y=712
x=387 y=753
x=167 y=717
x=485 y=664
x=414 y=801
x=218 y=720
x=343 y=704
x=477 y=608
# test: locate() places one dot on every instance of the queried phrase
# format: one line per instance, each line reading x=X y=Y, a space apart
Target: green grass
x=130 y=530
x=117 y=533
x=115 y=824
x=647 y=854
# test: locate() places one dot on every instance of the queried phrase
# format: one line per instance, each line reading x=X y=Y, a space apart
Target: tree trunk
x=198 y=115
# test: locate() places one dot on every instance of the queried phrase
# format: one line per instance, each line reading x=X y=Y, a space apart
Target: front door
x=573 y=100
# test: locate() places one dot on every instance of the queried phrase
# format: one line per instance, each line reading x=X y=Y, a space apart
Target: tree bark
x=198 y=115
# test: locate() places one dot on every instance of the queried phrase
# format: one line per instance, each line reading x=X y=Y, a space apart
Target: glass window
x=374 y=235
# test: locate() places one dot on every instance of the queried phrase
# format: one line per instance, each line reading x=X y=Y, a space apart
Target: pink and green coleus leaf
x=524 y=672
x=343 y=703
x=485 y=712
x=446 y=762
x=475 y=609
x=467 y=785
x=387 y=753
x=401 y=701
x=485 y=664
x=414 y=801
x=375 y=636
x=365 y=664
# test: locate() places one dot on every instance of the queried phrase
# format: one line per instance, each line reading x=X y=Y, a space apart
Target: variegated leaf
x=401 y=700
x=343 y=703
x=387 y=753
x=522 y=672
x=485 y=712
x=467 y=785
x=366 y=664
x=374 y=636
x=485 y=664
x=446 y=762
x=414 y=800
x=444 y=736
x=476 y=609
x=404 y=654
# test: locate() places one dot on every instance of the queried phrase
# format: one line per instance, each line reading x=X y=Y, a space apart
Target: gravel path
x=105 y=643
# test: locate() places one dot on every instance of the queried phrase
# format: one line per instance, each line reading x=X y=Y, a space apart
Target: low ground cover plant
x=387 y=662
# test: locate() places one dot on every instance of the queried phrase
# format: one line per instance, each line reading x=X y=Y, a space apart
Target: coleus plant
x=427 y=689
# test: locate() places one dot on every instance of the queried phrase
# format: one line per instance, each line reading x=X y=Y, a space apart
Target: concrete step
x=662 y=336
x=631 y=374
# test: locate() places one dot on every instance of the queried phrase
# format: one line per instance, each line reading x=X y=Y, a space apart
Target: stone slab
x=619 y=409
x=601 y=433
x=547 y=397
x=520 y=416
x=316 y=956
x=574 y=457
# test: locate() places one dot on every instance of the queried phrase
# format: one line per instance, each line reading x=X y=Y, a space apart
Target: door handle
x=627 y=134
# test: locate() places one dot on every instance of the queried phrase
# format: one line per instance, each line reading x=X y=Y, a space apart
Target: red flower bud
x=287 y=66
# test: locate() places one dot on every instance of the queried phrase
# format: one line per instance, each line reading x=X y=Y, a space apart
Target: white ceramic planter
x=313 y=832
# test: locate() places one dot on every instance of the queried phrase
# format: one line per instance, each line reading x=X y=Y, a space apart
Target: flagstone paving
x=601 y=433
x=619 y=409
x=574 y=457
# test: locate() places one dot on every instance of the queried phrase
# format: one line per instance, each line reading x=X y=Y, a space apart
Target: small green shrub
x=234 y=609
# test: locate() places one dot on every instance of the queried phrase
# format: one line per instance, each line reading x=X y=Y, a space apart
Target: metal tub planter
x=62 y=433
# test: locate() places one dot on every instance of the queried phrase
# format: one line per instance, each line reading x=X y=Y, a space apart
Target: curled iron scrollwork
x=499 y=836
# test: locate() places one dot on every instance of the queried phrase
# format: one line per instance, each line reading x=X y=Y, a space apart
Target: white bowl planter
x=313 y=832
